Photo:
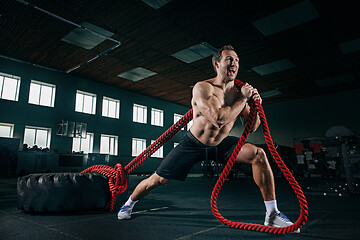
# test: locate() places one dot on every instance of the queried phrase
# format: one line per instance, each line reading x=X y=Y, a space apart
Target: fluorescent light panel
x=333 y=81
x=273 y=67
x=287 y=18
x=156 y=4
x=195 y=53
x=350 y=46
x=85 y=39
x=271 y=93
x=137 y=74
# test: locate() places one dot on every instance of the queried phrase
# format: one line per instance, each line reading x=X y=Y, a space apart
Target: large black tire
x=62 y=192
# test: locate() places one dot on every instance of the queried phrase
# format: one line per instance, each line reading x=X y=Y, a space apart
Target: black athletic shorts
x=178 y=163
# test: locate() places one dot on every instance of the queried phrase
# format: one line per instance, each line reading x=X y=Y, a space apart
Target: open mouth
x=231 y=71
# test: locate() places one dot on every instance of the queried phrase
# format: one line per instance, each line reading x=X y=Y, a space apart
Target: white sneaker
x=125 y=212
x=278 y=219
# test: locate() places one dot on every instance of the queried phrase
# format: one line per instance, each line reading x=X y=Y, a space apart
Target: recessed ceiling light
x=273 y=67
x=333 y=81
x=271 y=93
x=137 y=74
x=156 y=4
x=286 y=18
x=350 y=46
x=195 y=53
x=85 y=39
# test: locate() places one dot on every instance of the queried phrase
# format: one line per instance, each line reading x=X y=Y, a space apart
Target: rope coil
x=118 y=182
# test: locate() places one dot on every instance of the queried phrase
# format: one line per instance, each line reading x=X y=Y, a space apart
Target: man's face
x=229 y=64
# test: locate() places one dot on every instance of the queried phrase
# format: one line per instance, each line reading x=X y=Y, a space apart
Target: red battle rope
x=117 y=175
x=256 y=107
x=118 y=182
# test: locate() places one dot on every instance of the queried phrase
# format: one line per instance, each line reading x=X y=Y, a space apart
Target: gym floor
x=182 y=210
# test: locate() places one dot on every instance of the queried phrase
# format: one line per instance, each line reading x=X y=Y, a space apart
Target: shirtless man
x=217 y=104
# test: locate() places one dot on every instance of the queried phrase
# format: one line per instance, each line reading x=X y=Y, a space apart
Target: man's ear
x=216 y=64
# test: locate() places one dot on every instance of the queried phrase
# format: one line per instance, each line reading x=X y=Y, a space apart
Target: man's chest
x=226 y=98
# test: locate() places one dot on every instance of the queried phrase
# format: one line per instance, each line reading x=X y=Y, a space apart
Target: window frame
x=115 y=147
x=117 y=107
x=135 y=115
x=134 y=153
x=11 y=125
x=93 y=102
x=153 y=122
x=189 y=124
x=48 y=136
x=91 y=143
x=159 y=153
x=42 y=84
x=177 y=117
x=3 y=77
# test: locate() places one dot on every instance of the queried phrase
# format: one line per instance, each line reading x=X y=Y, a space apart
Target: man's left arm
x=244 y=115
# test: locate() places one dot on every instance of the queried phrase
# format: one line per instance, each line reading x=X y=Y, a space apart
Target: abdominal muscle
x=207 y=133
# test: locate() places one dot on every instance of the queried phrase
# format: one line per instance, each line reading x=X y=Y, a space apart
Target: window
x=139 y=113
x=6 y=130
x=138 y=146
x=83 y=144
x=37 y=136
x=189 y=124
x=159 y=152
x=109 y=144
x=177 y=117
x=110 y=107
x=9 y=87
x=157 y=117
x=42 y=93
x=85 y=102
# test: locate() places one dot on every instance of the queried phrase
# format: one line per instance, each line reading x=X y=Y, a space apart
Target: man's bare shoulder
x=205 y=85
x=203 y=90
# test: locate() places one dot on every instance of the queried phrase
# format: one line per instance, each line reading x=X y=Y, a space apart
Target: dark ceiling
x=150 y=37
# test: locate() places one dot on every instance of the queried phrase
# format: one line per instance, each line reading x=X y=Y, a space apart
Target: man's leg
x=262 y=172
x=141 y=190
x=147 y=185
x=264 y=178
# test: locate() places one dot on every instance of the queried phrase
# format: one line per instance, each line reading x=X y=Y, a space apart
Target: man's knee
x=155 y=181
x=260 y=156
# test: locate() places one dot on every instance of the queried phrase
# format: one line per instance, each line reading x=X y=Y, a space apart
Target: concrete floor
x=182 y=210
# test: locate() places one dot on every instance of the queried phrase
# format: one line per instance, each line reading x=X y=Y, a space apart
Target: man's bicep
x=204 y=97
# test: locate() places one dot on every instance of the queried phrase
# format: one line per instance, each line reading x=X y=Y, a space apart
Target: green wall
x=309 y=117
x=300 y=118
x=21 y=113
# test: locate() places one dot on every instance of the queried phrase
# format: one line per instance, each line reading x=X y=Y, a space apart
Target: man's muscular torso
x=205 y=131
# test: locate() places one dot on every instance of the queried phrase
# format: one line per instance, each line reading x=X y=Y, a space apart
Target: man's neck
x=223 y=82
